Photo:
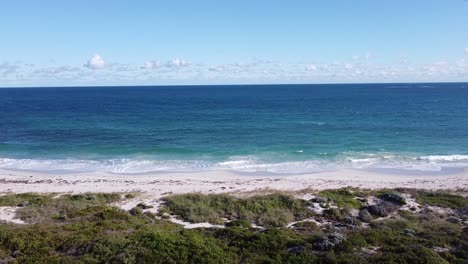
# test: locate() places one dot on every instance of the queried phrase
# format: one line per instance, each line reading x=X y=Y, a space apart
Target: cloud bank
x=365 y=68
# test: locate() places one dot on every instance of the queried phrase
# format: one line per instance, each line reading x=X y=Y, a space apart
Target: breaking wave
x=248 y=163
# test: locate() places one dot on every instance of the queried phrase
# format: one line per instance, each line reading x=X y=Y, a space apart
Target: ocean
x=271 y=128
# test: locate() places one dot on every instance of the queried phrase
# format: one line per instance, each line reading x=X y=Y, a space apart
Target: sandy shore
x=160 y=184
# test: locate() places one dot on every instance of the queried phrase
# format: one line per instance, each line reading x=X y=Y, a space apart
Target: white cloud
x=368 y=55
x=56 y=70
x=311 y=67
x=216 y=69
x=461 y=63
x=151 y=65
x=7 y=68
x=466 y=51
x=441 y=63
x=95 y=62
x=250 y=71
x=177 y=63
x=355 y=57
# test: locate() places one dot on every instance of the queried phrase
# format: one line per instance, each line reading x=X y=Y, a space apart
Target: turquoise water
x=276 y=128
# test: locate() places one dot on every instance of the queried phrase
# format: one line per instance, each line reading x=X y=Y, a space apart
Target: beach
x=159 y=184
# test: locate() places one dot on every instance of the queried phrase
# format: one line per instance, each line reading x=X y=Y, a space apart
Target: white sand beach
x=159 y=184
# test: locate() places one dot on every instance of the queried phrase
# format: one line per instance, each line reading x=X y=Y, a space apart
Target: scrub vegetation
x=273 y=210
x=89 y=228
x=442 y=199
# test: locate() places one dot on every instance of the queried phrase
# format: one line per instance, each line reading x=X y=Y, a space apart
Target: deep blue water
x=278 y=128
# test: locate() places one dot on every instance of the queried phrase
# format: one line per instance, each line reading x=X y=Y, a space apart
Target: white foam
x=248 y=163
x=446 y=157
x=111 y=165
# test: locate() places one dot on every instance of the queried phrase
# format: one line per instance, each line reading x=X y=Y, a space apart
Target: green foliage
x=275 y=217
x=269 y=210
x=441 y=199
x=136 y=211
x=239 y=223
x=86 y=229
x=31 y=198
x=336 y=213
x=344 y=197
x=184 y=247
x=45 y=207
x=96 y=197
x=407 y=215
x=307 y=227
x=393 y=197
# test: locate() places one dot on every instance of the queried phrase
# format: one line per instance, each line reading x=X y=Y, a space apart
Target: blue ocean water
x=276 y=128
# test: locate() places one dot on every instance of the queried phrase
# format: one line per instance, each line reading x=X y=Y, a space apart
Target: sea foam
x=248 y=163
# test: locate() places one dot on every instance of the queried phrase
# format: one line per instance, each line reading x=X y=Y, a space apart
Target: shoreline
x=159 y=184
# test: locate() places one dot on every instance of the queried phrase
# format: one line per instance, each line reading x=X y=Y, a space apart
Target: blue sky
x=229 y=42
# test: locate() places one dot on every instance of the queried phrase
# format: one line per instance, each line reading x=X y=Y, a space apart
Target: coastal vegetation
x=382 y=226
x=344 y=197
x=274 y=210
x=442 y=199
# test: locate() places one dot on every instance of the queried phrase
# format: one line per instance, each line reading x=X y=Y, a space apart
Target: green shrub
x=393 y=197
x=275 y=218
x=342 y=197
x=45 y=208
x=33 y=199
x=136 y=211
x=272 y=210
x=96 y=197
x=239 y=223
x=337 y=213
x=306 y=227
x=88 y=230
x=441 y=199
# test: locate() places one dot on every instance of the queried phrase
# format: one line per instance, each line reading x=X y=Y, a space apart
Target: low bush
x=46 y=208
x=25 y=198
x=393 y=197
x=239 y=223
x=342 y=197
x=441 y=199
x=306 y=227
x=270 y=210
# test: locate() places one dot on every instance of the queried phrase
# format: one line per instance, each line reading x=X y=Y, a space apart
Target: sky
x=81 y=43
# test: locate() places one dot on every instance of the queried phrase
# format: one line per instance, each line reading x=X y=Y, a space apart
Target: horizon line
x=243 y=84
